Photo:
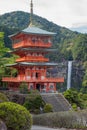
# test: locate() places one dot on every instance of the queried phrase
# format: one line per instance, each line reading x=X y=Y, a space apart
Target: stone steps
x=58 y=101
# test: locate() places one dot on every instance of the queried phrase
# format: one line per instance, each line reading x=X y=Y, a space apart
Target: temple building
x=31 y=45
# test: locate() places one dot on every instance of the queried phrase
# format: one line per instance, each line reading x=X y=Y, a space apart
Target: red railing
x=24 y=79
x=31 y=44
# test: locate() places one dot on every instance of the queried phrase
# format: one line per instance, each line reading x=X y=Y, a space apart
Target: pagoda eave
x=32 y=64
x=22 y=50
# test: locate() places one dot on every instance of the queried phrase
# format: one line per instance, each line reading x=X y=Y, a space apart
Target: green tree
x=3 y=49
x=3 y=60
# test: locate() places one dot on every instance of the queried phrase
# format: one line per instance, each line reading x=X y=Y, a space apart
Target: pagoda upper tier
x=32 y=37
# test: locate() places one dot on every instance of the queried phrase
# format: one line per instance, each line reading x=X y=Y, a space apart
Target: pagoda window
x=29 y=39
x=28 y=54
x=45 y=40
x=37 y=75
x=42 y=68
x=49 y=40
x=33 y=68
x=51 y=86
x=40 y=54
x=44 y=86
x=34 y=54
x=34 y=39
x=17 y=40
x=39 y=39
x=31 y=87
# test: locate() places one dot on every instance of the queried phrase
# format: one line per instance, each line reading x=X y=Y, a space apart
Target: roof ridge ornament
x=31 y=13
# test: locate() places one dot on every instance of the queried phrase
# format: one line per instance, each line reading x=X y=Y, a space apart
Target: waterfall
x=69 y=75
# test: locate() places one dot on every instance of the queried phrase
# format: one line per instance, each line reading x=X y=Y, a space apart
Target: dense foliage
x=15 y=116
x=77 y=99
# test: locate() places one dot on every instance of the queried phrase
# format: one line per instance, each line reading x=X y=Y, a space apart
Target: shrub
x=69 y=119
x=15 y=116
x=48 y=108
x=33 y=103
x=3 y=98
x=74 y=106
x=23 y=88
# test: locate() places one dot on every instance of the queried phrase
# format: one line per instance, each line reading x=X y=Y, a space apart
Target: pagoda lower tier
x=35 y=75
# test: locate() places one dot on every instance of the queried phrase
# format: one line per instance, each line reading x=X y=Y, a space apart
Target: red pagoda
x=31 y=45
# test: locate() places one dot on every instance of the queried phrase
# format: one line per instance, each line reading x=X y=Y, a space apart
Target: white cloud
x=63 y=12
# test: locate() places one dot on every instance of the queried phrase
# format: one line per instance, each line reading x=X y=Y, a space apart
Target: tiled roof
x=33 y=63
x=36 y=30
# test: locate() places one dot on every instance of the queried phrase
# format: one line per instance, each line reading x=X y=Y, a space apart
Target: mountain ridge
x=15 y=21
x=80 y=29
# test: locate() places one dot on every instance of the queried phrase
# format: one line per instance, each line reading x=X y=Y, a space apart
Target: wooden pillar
x=55 y=87
x=47 y=87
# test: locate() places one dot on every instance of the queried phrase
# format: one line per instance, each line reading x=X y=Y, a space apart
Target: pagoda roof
x=39 y=64
x=34 y=30
x=33 y=64
x=34 y=50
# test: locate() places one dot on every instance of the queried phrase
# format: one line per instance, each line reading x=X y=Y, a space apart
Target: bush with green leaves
x=16 y=117
x=3 y=98
x=48 y=108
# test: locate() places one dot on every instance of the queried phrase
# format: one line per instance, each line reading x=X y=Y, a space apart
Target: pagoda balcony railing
x=31 y=44
x=33 y=58
x=24 y=79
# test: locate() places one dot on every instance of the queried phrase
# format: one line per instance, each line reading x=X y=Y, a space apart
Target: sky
x=67 y=13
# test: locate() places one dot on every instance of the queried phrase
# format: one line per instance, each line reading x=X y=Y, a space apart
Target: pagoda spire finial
x=31 y=13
